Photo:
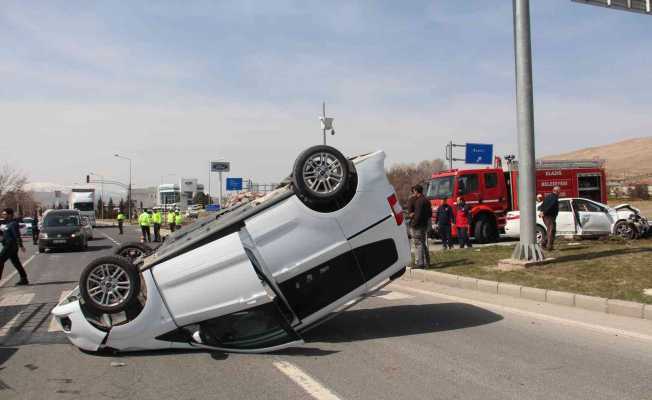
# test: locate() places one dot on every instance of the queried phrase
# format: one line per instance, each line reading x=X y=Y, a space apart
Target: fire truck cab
x=492 y=192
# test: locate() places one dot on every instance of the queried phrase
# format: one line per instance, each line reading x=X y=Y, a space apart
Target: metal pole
x=129 y=195
x=220 y=189
x=450 y=155
x=527 y=249
x=323 y=110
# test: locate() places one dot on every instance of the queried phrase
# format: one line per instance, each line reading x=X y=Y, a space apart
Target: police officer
x=178 y=219
x=121 y=220
x=11 y=242
x=156 y=220
x=144 y=220
x=171 y=220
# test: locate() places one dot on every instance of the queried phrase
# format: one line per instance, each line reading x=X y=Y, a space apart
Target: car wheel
x=624 y=230
x=540 y=235
x=41 y=249
x=109 y=284
x=131 y=251
x=321 y=175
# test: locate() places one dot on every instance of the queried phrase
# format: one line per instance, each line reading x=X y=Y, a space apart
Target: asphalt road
x=409 y=341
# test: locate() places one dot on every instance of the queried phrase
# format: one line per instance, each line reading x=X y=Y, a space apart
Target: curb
x=599 y=304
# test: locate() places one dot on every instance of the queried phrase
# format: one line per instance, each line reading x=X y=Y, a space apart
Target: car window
x=61 y=220
x=440 y=188
x=587 y=206
x=564 y=205
x=490 y=180
x=257 y=328
x=468 y=183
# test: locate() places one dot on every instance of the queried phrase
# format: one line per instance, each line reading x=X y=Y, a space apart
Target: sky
x=174 y=85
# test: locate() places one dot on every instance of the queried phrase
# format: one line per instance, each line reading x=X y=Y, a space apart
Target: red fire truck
x=492 y=192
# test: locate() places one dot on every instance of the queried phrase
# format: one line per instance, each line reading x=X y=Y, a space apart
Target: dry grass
x=607 y=268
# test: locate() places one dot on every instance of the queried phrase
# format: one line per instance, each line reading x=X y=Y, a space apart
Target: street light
x=102 y=190
x=637 y=6
x=129 y=190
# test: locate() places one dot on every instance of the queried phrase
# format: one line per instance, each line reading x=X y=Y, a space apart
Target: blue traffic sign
x=233 y=183
x=212 y=207
x=477 y=153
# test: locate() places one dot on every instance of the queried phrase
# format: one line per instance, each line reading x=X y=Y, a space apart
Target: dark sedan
x=62 y=229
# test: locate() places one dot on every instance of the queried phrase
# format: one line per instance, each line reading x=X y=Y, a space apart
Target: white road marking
x=530 y=314
x=110 y=238
x=11 y=275
x=307 y=383
x=394 y=295
x=16 y=300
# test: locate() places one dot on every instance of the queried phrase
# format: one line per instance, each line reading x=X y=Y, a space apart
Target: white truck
x=83 y=199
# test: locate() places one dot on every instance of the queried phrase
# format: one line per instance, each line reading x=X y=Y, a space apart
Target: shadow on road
x=402 y=320
x=98 y=247
x=51 y=283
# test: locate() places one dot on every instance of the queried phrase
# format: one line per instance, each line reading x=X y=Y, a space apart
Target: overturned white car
x=256 y=276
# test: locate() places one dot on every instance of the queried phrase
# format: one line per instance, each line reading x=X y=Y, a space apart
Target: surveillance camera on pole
x=326 y=123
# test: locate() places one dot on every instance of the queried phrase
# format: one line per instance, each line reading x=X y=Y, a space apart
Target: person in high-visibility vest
x=145 y=220
x=156 y=220
x=178 y=219
x=121 y=220
x=171 y=220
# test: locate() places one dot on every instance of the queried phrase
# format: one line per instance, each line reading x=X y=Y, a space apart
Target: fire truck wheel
x=485 y=230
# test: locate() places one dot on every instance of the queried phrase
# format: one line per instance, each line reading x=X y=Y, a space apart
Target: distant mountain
x=45 y=187
x=627 y=158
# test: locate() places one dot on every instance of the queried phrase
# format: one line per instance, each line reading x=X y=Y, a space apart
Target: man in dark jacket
x=444 y=219
x=420 y=214
x=549 y=210
x=11 y=242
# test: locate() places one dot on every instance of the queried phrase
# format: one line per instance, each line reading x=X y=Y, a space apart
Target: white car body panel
x=294 y=238
x=153 y=320
x=82 y=333
x=198 y=286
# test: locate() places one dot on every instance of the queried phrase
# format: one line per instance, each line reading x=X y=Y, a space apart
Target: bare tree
x=404 y=176
x=12 y=193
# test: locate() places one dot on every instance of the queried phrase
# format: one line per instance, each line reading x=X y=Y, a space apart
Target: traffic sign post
x=219 y=167
x=477 y=153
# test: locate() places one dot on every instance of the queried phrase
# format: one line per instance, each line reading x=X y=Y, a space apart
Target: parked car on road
x=252 y=278
x=586 y=218
x=62 y=229
x=25 y=226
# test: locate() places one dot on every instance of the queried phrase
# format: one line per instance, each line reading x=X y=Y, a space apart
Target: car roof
x=61 y=212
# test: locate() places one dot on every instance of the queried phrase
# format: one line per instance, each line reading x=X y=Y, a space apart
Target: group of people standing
x=420 y=215
x=153 y=219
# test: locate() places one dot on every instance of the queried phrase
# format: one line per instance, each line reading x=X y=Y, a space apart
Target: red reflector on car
x=396 y=209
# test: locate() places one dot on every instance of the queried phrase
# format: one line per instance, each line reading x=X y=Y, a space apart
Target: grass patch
x=613 y=268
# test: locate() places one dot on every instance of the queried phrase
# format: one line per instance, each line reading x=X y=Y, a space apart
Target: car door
x=565 y=219
x=215 y=290
x=306 y=254
x=594 y=218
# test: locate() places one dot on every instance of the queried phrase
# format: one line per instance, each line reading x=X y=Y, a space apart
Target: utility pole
x=527 y=249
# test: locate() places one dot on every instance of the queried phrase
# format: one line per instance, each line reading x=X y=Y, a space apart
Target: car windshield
x=61 y=220
x=440 y=188
x=83 y=206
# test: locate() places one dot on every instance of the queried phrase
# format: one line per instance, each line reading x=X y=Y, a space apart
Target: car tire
x=624 y=230
x=540 y=235
x=485 y=231
x=109 y=284
x=41 y=249
x=322 y=176
x=132 y=250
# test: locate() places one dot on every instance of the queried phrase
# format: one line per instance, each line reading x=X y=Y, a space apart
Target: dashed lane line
x=11 y=275
x=307 y=383
x=530 y=314
x=110 y=238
